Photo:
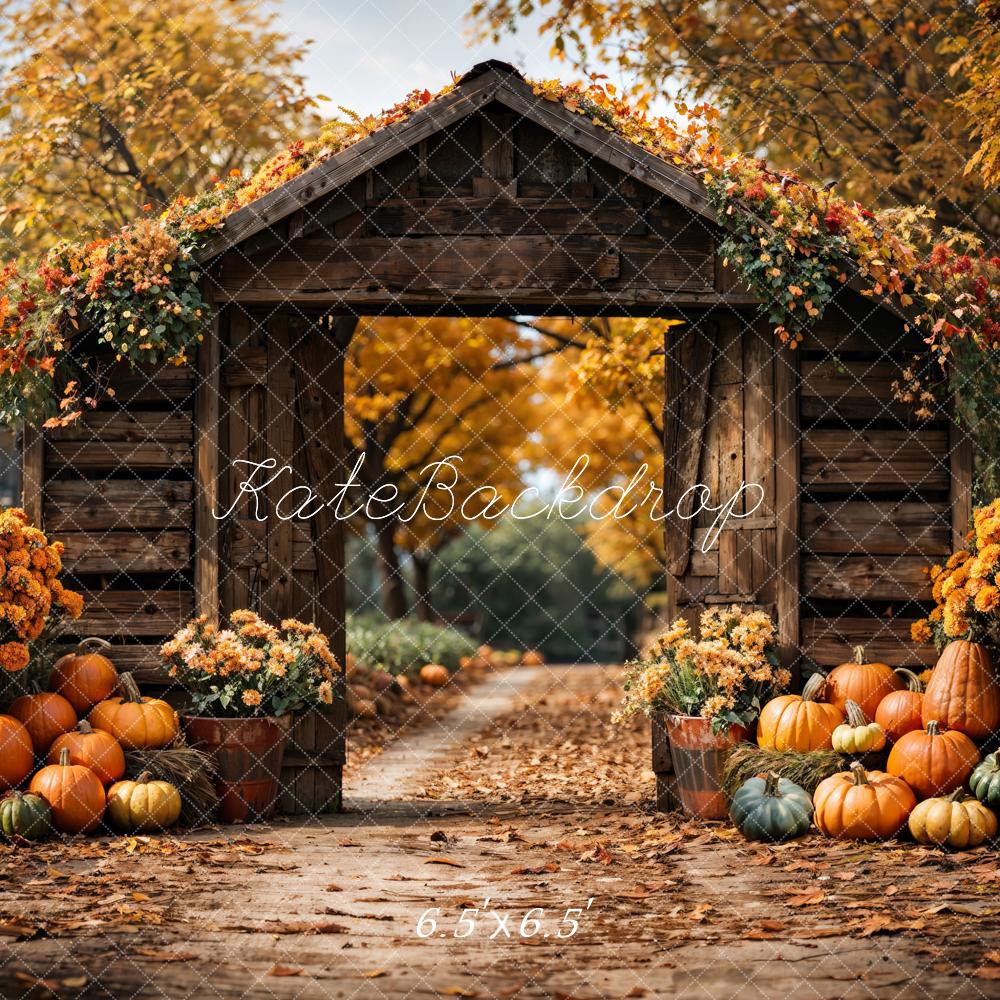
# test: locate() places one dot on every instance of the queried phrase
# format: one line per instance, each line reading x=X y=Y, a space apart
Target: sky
x=367 y=54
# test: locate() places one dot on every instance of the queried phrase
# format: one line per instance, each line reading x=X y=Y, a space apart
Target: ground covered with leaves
x=524 y=862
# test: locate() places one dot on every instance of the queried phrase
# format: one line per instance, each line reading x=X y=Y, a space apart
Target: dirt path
x=535 y=811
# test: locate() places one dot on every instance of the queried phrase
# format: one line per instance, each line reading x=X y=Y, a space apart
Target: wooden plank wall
x=117 y=490
x=876 y=488
x=493 y=212
x=859 y=496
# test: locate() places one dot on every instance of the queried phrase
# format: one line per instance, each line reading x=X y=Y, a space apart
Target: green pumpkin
x=771 y=808
x=25 y=815
x=984 y=781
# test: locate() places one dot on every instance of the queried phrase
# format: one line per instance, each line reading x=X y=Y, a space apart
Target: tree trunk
x=393 y=588
x=422 y=587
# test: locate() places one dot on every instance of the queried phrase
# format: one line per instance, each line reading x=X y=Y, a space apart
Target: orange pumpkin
x=899 y=712
x=93 y=748
x=85 y=677
x=45 y=716
x=799 y=722
x=932 y=762
x=865 y=683
x=74 y=792
x=17 y=755
x=963 y=692
x=137 y=723
x=434 y=674
x=860 y=805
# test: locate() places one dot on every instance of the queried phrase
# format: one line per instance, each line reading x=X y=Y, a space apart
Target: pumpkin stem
x=771 y=783
x=858 y=771
x=855 y=716
x=957 y=795
x=812 y=687
x=859 y=654
x=933 y=729
x=129 y=688
x=143 y=778
x=912 y=680
x=93 y=642
x=16 y=795
x=83 y=726
x=64 y=757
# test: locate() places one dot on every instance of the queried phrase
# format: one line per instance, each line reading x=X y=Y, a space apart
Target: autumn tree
x=861 y=91
x=977 y=58
x=604 y=400
x=110 y=107
x=418 y=391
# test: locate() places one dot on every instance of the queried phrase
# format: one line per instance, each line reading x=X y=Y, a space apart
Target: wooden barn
x=492 y=201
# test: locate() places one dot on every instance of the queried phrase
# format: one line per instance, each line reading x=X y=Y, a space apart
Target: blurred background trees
x=867 y=92
x=108 y=108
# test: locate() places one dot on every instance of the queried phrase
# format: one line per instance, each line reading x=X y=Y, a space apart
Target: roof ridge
x=490 y=66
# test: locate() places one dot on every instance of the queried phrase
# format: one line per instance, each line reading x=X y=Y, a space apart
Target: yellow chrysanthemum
x=987 y=599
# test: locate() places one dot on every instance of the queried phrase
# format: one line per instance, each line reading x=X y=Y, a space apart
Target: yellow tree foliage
x=978 y=60
x=420 y=390
x=108 y=107
x=605 y=402
x=860 y=91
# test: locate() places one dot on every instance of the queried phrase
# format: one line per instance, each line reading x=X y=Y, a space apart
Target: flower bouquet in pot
x=245 y=682
x=709 y=692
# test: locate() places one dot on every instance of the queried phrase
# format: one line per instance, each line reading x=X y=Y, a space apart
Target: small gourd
x=435 y=674
x=956 y=821
x=984 y=782
x=857 y=734
x=771 y=808
x=143 y=805
x=24 y=814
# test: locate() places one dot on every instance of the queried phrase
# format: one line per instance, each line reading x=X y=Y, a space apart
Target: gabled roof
x=485 y=83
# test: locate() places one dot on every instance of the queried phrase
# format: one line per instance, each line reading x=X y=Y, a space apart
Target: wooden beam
x=689 y=358
x=536 y=300
x=206 y=470
x=279 y=433
x=876 y=528
x=319 y=378
x=786 y=503
x=829 y=642
x=117 y=505
x=32 y=473
x=960 y=460
x=866 y=578
x=875 y=460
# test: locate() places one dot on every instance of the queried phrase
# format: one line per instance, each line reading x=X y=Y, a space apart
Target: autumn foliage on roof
x=792 y=243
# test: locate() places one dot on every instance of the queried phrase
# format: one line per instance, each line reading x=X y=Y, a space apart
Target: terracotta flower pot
x=248 y=755
x=699 y=756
